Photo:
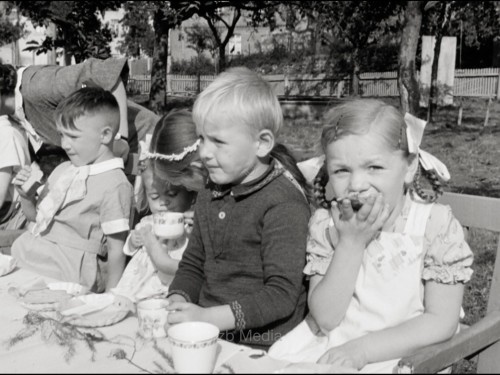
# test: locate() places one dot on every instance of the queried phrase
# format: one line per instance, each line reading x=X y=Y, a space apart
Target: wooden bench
x=482 y=338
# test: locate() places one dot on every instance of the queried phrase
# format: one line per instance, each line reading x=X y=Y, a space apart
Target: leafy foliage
x=79 y=30
x=222 y=18
x=476 y=24
x=198 y=65
x=9 y=32
x=351 y=27
x=139 y=34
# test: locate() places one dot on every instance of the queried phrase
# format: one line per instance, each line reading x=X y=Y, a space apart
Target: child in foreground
x=173 y=153
x=387 y=265
x=82 y=215
x=242 y=268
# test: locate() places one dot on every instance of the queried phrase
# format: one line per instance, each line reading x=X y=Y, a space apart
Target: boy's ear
x=265 y=143
x=412 y=169
x=107 y=136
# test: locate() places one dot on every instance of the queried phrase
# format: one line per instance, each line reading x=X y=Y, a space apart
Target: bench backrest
x=484 y=213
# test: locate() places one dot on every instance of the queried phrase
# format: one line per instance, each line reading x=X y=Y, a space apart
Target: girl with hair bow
x=386 y=263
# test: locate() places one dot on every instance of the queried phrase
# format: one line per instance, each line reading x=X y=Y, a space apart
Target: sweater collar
x=273 y=171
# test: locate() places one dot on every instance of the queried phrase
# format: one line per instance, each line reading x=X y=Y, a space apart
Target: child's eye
x=219 y=141
x=172 y=194
x=154 y=196
x=375 y=167
x=340 y=170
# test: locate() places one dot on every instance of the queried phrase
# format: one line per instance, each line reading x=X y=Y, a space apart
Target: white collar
x=105 y=166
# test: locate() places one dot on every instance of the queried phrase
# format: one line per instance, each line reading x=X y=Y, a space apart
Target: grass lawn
x=472 y=154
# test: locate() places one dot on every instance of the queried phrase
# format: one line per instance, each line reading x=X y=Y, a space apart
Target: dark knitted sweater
x=248 y=250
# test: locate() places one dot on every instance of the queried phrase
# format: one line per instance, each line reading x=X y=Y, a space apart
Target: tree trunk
x=222 y=58
x=355 y=74
x=434 y=90
x=409 y=93
x=67 y=57
x=52 y=55
x=316 y=43
x=158 y=92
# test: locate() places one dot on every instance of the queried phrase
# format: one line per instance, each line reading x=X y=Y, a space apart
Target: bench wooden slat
x=439 y=356
x=482 y=337
x=474 y=211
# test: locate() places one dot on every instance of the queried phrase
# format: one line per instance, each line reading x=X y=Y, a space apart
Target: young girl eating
x=154 y=260
x=387 y=265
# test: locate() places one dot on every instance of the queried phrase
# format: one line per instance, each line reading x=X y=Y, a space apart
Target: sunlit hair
x=8 y=79
x=172 y=134
x=360 y=116
x=244 y=97
x=88 y=101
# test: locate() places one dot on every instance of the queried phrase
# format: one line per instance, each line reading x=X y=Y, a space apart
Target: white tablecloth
x=38 y=355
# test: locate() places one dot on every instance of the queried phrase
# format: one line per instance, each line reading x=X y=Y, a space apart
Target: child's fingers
x=366 y=208
x=176 y=312
x=144 y=231
x=177 y=306
x=383 y=216
x=377 y=208
x=175 y=317
x=346 y=211
x=335 y=213
x=23 y=174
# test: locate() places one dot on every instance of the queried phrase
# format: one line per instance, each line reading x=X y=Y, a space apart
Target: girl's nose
x=358 y=182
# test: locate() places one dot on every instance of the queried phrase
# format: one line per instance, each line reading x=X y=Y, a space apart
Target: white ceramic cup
x=194 y=347
x=152 y=315
x=168 y=225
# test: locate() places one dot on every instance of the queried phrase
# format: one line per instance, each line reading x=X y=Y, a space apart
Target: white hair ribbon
x=414 y=132
x=172 y=157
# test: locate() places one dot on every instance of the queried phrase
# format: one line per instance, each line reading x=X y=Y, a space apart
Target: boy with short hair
x=82 y=215
x=242 y=269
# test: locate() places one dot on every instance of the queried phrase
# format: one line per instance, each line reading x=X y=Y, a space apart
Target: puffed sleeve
x=319 y=243
x=116 y=207
x=448 y=258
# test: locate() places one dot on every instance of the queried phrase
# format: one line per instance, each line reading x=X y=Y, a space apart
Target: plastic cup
x=194 y=347
x=168 y=225
x=152 y=316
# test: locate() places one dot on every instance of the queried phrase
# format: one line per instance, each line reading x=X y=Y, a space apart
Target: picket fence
x=467 y=83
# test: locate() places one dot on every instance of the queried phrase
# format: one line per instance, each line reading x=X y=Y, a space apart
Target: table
x=36 y=355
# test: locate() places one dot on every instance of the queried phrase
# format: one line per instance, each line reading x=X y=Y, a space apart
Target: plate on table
x=46 y=296
x=95 y=310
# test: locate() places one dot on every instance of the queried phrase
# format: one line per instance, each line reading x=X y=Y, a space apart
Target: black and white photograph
x=204 y=186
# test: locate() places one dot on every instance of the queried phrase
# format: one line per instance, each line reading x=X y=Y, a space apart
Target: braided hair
x=319 y=188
